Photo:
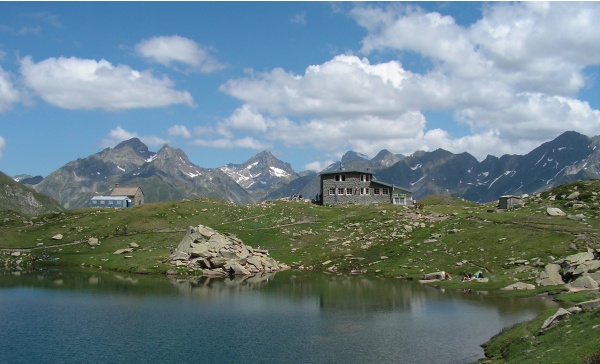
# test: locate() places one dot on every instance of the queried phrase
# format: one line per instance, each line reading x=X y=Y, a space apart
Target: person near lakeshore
x=125 y=230
x=117 y=230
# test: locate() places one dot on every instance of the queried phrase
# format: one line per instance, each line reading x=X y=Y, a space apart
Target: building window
x=364 y=191
x=385 y=191
x=340 y=191
x=332 y=191
x=340 y=178
x=365 y=178
x=376 y=191
x=348 y=191
x=102 y=202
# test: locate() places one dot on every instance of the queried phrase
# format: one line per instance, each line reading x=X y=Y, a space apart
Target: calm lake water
x=290 y=317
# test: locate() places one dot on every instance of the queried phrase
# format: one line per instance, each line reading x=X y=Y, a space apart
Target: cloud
x=512 y=78
x=179 y=130
x=230 y=143
x=2 y=145
x=299 y=18
x=74 y=83
x=317 y=165
x=119 y=134
x=8 y=91
x=170 y=50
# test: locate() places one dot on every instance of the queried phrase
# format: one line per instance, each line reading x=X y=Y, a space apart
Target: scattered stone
x=57 y=237
x=518 y=286
x=93 y=242
x=577 y=217
x=555 y=211
x=15 y=254
x=133 y=245
x=123 y=251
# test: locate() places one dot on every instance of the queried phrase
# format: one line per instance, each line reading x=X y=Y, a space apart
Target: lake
x=77 y=316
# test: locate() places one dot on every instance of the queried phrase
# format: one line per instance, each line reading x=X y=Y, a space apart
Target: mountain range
x=169 y=175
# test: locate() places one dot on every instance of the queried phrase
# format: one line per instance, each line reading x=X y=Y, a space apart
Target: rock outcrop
x=579 y=271
x=221 y=255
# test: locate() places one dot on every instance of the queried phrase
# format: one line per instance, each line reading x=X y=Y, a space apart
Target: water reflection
x=292 y=317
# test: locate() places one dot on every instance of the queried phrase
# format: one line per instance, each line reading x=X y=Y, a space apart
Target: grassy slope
x=450 y=234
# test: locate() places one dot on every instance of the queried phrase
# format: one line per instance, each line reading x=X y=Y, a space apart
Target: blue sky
x=307 y=81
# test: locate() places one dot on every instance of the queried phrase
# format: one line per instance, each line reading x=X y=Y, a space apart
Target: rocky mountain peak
x=136 y=145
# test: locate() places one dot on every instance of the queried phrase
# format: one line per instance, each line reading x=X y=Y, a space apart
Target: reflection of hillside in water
x=87 y=280
x=329 y=292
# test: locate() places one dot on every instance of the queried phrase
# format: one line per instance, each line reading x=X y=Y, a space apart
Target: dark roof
x=390 y=185
x=125 y=191
x=341 y=171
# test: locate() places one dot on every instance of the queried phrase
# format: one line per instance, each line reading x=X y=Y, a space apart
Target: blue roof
x=110 y=198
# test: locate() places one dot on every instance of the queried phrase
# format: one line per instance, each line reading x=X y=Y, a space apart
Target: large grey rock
x=585 y=267
x=93 y=242
x=435 y=275
x=550 y=276
x=590 y=305
x=198 y=250
x=579 y=258
x=554 y=318
x=583 y=283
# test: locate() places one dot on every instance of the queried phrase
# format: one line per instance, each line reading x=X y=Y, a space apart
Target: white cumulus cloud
x=9 y=94
x=74 y=83
x=172 y=50
x=119 y=135
x=179 y=130
x=512 y=78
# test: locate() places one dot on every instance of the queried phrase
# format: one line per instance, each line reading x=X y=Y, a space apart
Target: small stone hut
x=509 y=201
x=135 y=194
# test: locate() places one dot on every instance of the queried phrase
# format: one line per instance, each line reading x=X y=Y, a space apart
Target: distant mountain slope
x=23 y=199
x=28 y=180
x=166 y=175
x=261 y=174
x=169 y=175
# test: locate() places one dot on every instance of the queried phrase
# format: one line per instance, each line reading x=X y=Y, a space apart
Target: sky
x=307 y=81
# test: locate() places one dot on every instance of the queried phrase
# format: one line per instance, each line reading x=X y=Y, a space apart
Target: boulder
x=550 y=276
x=555 y=211
x=590 y=305
x=554 y=318
x=583 y=283
x=577 y=217
x=93 y=242
x=133 y=245
x=15 y=254
x=585 y=267
x=579 y=258
x=57 y=237
x=435 y=275
x=198 y=250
